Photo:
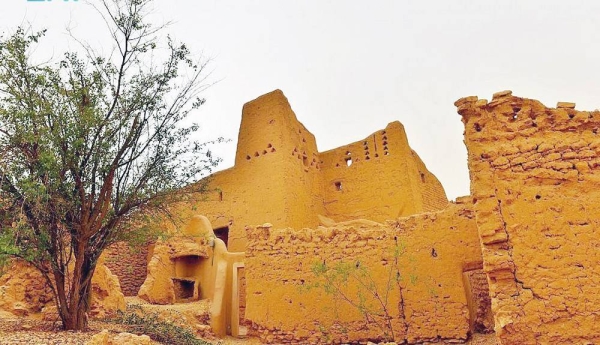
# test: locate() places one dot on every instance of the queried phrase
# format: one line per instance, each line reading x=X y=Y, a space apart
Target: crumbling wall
x=24 y=291
x=535 y=182
x=128 y=264
x=427 y=302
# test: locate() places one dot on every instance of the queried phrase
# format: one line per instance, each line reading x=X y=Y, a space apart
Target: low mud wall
x=404 y=280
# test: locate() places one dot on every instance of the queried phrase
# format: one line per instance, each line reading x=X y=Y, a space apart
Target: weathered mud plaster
x=280 y=177
x=535 y=183
x=430 y=302
x=193 y=264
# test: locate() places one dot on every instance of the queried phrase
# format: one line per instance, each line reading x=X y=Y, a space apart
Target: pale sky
x=350 y=67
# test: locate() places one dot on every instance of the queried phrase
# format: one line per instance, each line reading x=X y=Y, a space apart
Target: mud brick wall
x=535 y=182
x=283 y=305
x=280 y=177
x=129 y=265
x=482 y=319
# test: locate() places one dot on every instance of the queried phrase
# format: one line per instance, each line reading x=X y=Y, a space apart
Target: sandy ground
x=15 y=330
x=20 y=331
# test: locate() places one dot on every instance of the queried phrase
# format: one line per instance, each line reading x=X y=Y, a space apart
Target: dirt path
x=17 y=331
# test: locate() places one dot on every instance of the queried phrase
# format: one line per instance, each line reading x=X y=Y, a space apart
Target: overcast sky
x=350 y=67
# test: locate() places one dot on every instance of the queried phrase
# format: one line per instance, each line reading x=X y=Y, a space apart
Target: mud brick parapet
x=284 y=306
x=535 y=183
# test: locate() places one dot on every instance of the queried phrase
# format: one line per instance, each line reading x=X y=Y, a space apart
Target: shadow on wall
x=194 y=264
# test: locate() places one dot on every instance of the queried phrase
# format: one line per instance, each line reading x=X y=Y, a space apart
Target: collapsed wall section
x=535 y=182
x=128 y=264
x=415 y=265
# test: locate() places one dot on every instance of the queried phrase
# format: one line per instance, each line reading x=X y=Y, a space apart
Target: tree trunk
x=74 y=305
x=77 y=321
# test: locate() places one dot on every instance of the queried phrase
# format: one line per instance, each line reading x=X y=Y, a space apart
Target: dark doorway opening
x=223 y=234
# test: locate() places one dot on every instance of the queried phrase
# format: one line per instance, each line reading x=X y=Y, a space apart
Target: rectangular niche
x=184 y=289
x=185 y=281
x=187 y=266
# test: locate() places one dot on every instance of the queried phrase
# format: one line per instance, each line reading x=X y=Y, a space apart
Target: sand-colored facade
x=535 y=180
x=192 y=265
x=520 y=254
x=417 y=264
x=281 y=178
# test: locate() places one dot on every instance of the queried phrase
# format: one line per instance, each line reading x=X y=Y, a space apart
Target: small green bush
x=141 y=321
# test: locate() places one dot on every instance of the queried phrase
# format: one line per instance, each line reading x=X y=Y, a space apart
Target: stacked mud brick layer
x=535 y=183
x=129 y=265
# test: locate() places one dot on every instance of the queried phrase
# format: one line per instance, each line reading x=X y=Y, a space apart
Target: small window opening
x=338 y=186
x=348 y=153
x=256 y=154
x=248 y=157
x=222 y=234
x=384 y=143
x=348 y=161
x=264 y=152
x=305 y=161
x=386 y=153
x=269 y=146
x=422 y=177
